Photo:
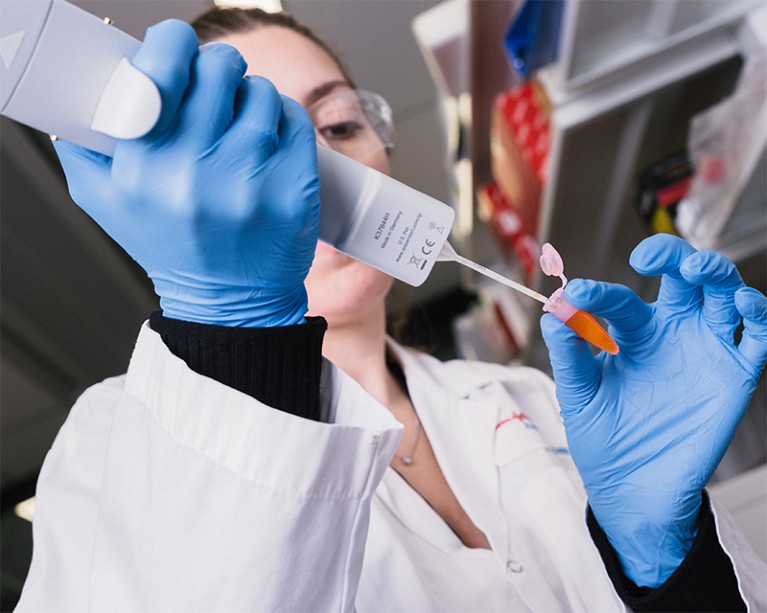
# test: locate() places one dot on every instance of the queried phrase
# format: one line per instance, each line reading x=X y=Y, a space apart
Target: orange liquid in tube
x=586 y=326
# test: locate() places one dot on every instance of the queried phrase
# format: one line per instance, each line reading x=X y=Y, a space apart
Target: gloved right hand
x=219 y=203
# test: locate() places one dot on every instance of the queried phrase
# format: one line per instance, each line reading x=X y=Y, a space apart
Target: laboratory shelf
x=604 y=39
x=616 y=110
x=602 y=140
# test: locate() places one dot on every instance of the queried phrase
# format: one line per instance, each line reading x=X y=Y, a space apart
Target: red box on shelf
x=519 y=149
x=507 y=226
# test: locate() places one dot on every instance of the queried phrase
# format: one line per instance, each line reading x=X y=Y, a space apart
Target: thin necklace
x=407 y=458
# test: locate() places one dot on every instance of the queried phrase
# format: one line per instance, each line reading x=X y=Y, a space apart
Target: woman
x=348 y=294
x=167 y=490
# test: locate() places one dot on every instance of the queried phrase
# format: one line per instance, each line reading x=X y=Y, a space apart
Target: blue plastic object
x=532 y=39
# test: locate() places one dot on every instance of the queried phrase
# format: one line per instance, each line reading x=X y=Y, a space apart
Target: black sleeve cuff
x=704 y=581
x=279 y=366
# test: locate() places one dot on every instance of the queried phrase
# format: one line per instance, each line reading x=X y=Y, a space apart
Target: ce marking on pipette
x=426 y=249
x=429 y=244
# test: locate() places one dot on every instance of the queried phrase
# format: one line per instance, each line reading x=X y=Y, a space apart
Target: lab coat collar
x=459 y=377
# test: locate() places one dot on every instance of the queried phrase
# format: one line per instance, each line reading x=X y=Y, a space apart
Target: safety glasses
x=355 y=122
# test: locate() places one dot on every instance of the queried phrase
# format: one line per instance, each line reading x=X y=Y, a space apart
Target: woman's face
x=340 y=289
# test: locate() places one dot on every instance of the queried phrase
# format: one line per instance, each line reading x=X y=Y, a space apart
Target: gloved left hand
x=648 y=426
x=220 y=202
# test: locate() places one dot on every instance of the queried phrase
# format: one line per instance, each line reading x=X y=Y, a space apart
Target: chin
x=343 y=289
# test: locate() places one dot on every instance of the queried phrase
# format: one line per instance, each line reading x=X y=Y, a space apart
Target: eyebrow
x=323 y=90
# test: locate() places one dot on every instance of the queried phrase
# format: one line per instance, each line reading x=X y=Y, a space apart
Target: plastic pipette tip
x=579 y=321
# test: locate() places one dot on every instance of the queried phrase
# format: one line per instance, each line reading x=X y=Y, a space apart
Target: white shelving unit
x=631 y=75
x=605 y=40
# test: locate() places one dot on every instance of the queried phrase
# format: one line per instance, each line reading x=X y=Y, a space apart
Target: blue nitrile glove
x=648 y=426
x=220 y=202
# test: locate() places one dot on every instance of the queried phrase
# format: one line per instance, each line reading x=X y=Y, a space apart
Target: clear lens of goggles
x=354 y=122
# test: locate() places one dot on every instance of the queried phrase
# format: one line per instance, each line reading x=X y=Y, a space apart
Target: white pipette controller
x=66 y=72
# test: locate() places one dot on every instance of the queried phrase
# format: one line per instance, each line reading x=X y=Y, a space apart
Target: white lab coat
x=168 y=491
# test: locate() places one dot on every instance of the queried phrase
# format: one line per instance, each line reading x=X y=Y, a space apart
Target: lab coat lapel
x=461 y=432
x=463 y=445
x=460 y=408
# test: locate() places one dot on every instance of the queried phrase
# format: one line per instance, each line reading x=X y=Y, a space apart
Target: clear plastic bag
x=725 y=145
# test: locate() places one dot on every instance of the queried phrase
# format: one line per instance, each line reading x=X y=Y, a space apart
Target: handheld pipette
x=582 y=323
x=67 y=72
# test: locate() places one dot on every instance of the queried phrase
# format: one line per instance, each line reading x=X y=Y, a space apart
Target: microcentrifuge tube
x=582 y=323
